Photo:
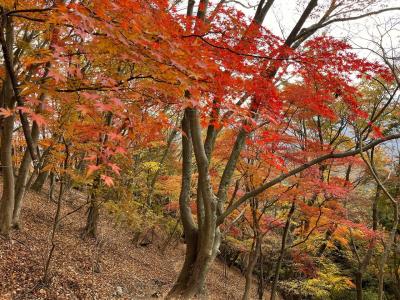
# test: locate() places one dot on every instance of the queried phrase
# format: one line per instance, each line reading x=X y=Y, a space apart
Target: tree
x=277 y=56
x=109 y=78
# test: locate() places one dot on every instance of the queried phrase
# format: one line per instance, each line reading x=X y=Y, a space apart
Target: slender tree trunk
x=359 y=277
x=190 y=230
x=263 y=276
x=254 y=255
x=367 y=258
x=46 y=274
x=52 y=186
x=260 y=282
x=57 y=216
x=31 y=178
x=396 y=273
x=22 y=179
x=7 y=199
x=282 y=252
x=255 y=249
x=386 y=251
x=92 y=220
x=8 y=100
x=20 y=187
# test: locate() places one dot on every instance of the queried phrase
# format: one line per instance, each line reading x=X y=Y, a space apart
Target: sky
x=362 y=34
x=285 y=13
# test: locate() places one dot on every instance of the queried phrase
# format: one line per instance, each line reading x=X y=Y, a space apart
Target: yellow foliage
x=151 y=166
x=328 y=282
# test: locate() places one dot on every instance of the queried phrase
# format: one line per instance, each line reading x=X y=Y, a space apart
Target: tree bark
x=208 y=234
x=52 y=186
x=40 y=180
x=92 y=220
x=202 y=242
x=282 y=252
x=8 y=100
x=189 y=226
x=22 y=179
x=386 y=251
x=255 y=249
x=7 y=199
x=359 y=276
x=254 y=255
x=43 y=174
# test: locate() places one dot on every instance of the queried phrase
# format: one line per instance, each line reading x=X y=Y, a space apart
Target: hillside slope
x=111 y=268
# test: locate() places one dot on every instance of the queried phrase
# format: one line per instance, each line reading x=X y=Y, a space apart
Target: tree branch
x=301 y=168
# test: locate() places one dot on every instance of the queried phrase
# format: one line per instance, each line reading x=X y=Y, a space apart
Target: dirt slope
x=83 y=269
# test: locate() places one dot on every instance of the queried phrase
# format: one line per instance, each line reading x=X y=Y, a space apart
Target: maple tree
x=96 y=93
x=262 y=101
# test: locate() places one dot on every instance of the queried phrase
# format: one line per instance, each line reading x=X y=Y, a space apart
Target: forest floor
x=111 y=268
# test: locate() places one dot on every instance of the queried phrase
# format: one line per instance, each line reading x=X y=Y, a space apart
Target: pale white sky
x=285 y=13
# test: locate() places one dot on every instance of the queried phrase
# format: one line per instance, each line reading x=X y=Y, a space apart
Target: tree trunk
x=22 y=179
x=362 y=267
x=43 y=175
x=52 y=186
x=203 y=242
x=40 y=180
x=392 y=236
x=396 y=284
x=191 y=279
x=359 y=276
x=7 y=199
x=386 y=251
x=190 y=230
x=92 y=220
x=20 y=187
x=282 y=252
x=255 y=249
x=63 y=179
x=255 y=253
x=263 y=276
x=8 y=100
